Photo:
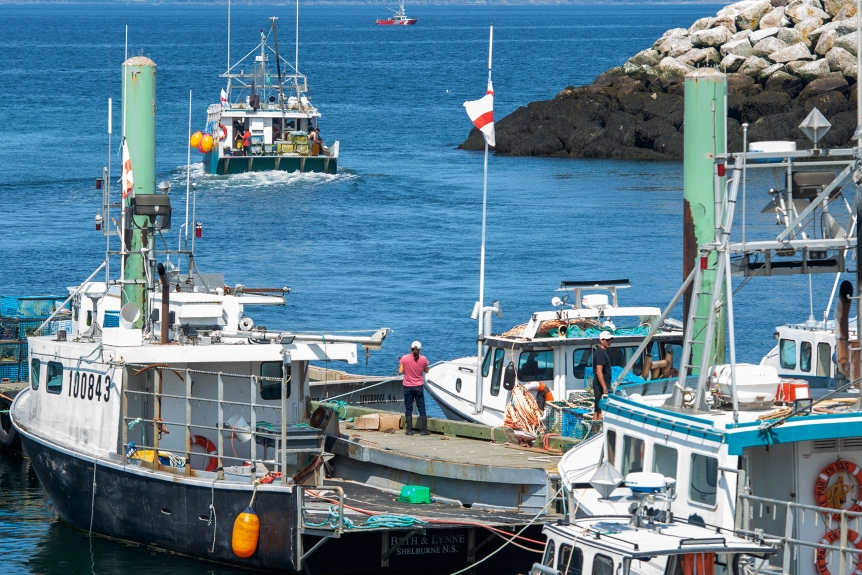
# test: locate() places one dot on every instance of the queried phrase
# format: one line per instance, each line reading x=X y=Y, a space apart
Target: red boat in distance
x=397 y=19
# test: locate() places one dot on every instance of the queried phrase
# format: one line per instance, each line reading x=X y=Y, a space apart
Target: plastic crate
x=10 y=351
x=112 y=319
x=572 y=425
x=9 y=370
x=29 y=306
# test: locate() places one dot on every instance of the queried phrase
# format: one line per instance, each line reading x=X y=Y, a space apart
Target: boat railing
x=289 y=442
x=842 y=527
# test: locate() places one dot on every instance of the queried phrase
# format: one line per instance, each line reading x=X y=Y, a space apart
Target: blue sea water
x=393 y=239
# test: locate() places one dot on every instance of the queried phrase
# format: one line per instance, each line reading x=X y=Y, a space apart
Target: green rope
x=339 y=404
x=374 y=522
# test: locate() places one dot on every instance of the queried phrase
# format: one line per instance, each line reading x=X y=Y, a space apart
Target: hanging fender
x=211 y=449
x=222 y=134
x=821 y=485
x=832 y=538
x=540 y=389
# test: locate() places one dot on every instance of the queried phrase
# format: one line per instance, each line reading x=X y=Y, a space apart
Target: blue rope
x=374 y=522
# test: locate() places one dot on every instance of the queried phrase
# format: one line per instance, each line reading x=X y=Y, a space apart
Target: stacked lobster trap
x=21 y=317
x=571 y=418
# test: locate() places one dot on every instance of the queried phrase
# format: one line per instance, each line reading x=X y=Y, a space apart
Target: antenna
x=296 y=57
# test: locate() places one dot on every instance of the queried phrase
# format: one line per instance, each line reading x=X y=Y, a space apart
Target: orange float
x=195 y=140
x=207 y=143
x=246 y=530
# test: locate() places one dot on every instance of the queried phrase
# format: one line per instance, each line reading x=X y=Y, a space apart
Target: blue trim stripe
x=802 y=428
x=662 y=418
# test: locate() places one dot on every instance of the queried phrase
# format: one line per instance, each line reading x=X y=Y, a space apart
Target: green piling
x=705 y=132
x=139 y=130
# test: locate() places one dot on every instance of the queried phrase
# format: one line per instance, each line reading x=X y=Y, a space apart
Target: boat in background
x=272 y=103
x=551 y=354
x=398 y=18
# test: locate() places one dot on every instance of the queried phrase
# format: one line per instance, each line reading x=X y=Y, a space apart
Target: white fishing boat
x=749 y=450
x=649 y=540
x=165 y=417
x=265 y=120
x=551 y=354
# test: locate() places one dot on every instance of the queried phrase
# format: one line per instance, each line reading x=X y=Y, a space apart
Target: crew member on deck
x=602 y=371
x=414 y=366
x=246 y=141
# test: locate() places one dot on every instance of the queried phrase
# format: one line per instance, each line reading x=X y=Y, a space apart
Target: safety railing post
x=220 y=425
x=253 y=426
x=124 y=381
x=188 y=380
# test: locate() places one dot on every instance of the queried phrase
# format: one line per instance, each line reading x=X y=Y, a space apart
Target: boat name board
x=430 y=544
x=89 y=386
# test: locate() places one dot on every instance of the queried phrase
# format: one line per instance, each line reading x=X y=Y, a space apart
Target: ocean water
x=394 y=238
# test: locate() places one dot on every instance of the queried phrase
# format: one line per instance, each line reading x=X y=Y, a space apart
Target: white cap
x=415 y=345
x=606 y=335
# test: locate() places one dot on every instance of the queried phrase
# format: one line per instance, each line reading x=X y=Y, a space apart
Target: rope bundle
x=523 y=413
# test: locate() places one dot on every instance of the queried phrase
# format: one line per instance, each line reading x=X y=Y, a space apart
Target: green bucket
x=415 y=494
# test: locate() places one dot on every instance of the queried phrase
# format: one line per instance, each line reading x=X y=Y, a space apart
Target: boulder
x=764 y=104
x=791 y=54
x=701 y=24
x=791 y=36
x=763 y=33
x=749 y=17
x=779 y=3
x=638 y=71
x=740 y=35
x=848 y=11
x=840 y=59
x=767 y=46
x=833 y=82
x=809 y=71
x=739 y=47
x=806 y=27
x=775 y=18
x=714 y=37
x=700 y=57
x=785 y=83
x=739 y=82
x=725 y=22
x=647 y=57
x=670 y=68
x=753 y=65
x=833 y=7
x=800 y=12
x=829 y=104
x=675 y=46
x=675 y=32
x=731 y=10
x=766 y=73
x=847 y=42
x=731 y=63
x=826 y=42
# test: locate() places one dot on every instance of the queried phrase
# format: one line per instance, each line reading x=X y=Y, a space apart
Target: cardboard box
x=378 y=422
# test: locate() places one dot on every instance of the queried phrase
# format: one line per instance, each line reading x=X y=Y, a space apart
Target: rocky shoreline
x=782 y=60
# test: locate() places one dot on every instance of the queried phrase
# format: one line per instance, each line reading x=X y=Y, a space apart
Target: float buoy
x=204 y=442
x=509 y=377
x=830 y=538
x=822 y=489
x=195 y=140
x=246 y=530
x=222 y=134
x=206 y=143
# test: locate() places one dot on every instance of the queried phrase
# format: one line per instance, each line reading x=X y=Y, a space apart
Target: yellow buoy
x=206 y=143
x=195 y=140
x=246 y=530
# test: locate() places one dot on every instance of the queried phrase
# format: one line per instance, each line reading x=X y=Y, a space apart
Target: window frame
x=536 y=354
x=550 y=553
x=802 y=347
x=691 y=486
x=497 y=374
x=611 y=446
x=827 y=363
x=263 y=385
x=781 y=363
x=629 y=442
x=50 y=387
x=35 y=373
x=655 y=458
x=576 y=566
x=588 y=351
x=596 y=558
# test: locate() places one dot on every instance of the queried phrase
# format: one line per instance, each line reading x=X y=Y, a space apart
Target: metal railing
x=147 y=416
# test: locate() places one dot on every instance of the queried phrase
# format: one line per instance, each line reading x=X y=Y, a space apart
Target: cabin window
x=548 y=558
x=664 y=460
x=486 y=365
x=675 y=352
x=620 y=356
x=570 y=563
x=805 y=356
x=581 y=358
x=603 y=565
x=704 y=479
x=499 y=354
x=612 y=446
x=633 y=455
x=271 y=388
x=824 y=360
x=536 y=365
x=54 y=383
x=787 y=353
x=35 y=367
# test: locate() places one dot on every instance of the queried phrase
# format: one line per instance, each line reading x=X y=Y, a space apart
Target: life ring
x=222 y=132
x=830 y=538
x=821 y=486
x=541 y=389
x=204 y=442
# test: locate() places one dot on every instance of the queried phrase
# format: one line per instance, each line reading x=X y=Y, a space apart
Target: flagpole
x=481 y=316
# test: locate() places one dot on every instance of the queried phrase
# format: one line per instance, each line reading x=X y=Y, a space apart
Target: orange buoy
x=206 y=143
x=195 y=140
x=246 y=530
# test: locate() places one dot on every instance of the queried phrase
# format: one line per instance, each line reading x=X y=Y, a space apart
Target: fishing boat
x=265 y=120
x=551 y=355
x=649 y=540
x=163 y=415
x=749 y=450
x=398 y=18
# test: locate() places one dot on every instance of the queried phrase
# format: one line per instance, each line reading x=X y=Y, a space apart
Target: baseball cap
x=606 y=335
x=416 y=345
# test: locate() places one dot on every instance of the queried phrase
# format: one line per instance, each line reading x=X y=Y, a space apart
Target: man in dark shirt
x=602 y=370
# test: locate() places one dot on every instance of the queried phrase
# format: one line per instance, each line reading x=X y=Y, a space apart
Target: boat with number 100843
x=165 y=417
x=265 y=120
x=399 y=18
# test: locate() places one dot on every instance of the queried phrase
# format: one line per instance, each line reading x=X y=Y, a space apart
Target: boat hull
x=213 y=164
x=397 y=23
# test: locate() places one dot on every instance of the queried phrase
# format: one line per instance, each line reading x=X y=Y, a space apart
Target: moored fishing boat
x=398 y=18
x=748 y=450
x=265 y=120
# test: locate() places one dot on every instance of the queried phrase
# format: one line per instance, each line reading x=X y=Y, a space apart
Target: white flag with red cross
x=481 y=112
x=128 y=182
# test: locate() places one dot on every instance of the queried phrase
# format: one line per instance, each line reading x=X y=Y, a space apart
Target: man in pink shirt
x=414 y=366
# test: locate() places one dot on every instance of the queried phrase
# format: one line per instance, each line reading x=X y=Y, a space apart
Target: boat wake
x=255 y=179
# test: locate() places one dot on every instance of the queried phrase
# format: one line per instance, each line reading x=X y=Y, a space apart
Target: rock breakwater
x=782 y=60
